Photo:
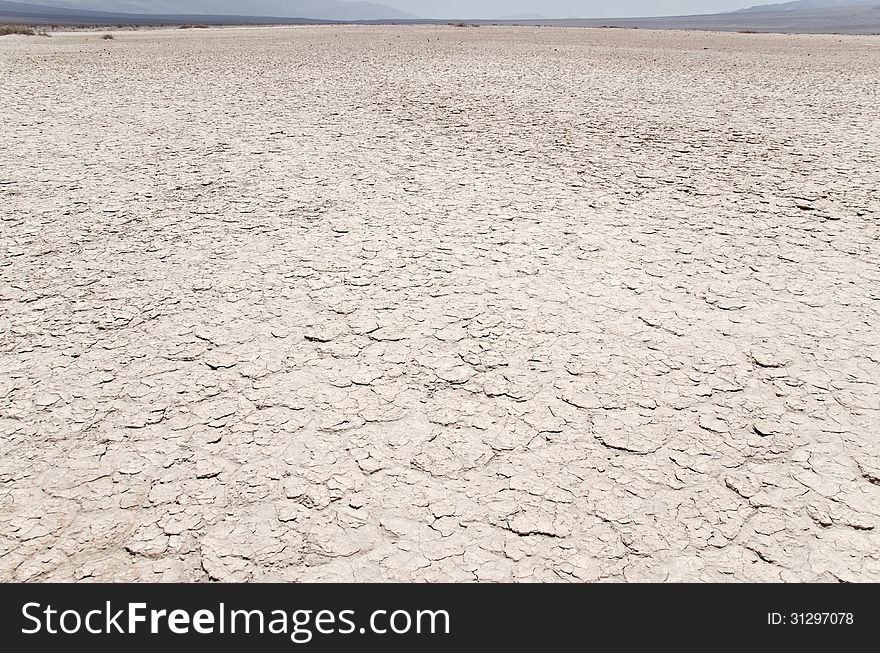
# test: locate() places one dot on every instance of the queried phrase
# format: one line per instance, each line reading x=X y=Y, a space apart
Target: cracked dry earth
x=387 y=303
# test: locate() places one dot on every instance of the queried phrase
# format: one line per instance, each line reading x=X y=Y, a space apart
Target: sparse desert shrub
x=108 y=37
x=463 y=25
x=24 y=30
x=193 y=27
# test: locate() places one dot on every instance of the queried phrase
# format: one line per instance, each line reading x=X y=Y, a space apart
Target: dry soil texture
x=439 y=304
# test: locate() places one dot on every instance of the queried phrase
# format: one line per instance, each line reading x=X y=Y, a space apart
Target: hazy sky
x=565 y=8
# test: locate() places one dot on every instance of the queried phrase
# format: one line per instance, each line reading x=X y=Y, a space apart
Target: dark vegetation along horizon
x=22 y=30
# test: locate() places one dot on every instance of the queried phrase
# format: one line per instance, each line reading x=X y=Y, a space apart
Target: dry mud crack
x=436 y=304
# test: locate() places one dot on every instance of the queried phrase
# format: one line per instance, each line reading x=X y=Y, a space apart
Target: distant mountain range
x=800 y=5
x=320 y=9
x=801 y=16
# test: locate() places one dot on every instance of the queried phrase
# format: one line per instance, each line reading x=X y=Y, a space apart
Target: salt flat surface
x=440 y=304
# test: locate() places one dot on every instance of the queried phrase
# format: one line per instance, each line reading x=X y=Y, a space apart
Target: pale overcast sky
x=565 y=8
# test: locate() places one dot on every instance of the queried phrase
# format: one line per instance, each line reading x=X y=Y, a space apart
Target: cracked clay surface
x=387 y=303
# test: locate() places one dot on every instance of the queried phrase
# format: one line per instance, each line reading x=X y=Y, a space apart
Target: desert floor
x=438 y=303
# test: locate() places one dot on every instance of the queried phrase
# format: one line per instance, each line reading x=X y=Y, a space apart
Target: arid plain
x=439 y=303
